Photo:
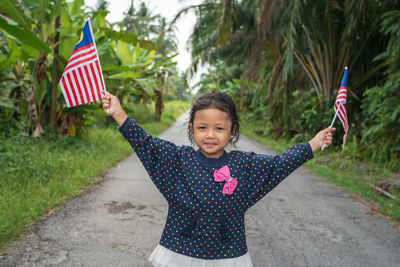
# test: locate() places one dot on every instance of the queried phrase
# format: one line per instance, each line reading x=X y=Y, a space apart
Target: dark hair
x=221 y=101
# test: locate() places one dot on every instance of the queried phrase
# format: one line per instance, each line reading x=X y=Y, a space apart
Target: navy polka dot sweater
x=202 y=222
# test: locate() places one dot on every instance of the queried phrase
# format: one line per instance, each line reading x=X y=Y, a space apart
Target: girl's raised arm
x=266 y=172
x=160 y=158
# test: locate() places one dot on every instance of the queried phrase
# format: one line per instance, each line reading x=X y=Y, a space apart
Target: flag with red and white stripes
x=82 y=81
x=341 y=107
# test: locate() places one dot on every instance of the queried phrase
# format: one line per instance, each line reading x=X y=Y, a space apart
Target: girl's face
x=211 y=131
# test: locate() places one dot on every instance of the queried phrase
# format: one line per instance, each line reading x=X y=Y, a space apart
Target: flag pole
x=95 y=48
x=333 y=121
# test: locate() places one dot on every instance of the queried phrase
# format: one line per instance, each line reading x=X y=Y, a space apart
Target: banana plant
x=30 y=24
x=35 y=25
x=140 y=70
x=42 y=34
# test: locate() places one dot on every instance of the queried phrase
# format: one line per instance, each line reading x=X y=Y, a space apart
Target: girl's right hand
x=322 y=139
x=112 y=106
x=110 y=103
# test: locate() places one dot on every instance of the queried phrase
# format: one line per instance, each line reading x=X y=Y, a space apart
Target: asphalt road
x=305 y=221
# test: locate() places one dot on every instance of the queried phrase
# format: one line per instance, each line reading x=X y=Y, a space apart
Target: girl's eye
x=219 y=128
x=201 y=127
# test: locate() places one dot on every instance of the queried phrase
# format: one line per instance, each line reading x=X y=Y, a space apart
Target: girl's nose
x=210 y=133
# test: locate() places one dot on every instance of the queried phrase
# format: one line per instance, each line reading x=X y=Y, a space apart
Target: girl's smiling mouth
x=210 y=144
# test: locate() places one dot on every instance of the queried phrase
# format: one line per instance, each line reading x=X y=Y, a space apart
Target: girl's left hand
x=321 y=138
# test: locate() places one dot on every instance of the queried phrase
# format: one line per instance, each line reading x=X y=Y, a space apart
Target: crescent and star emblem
x=80 y=38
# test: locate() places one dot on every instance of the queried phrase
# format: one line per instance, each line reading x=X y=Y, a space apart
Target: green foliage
x=382 y=121
x=23 y=35
x=137 y=65
x=312 y=112
x=381 y=103
x=8 y=124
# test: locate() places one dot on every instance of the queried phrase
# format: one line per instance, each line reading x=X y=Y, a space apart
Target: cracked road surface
x=305 y=221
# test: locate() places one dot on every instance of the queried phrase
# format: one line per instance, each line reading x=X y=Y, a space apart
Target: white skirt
x=163 y=257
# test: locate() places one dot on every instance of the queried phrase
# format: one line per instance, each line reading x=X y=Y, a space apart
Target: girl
x=208 y=190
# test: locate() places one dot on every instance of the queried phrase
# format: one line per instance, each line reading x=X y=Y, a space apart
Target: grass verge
x=37 y=174
x=353 y=176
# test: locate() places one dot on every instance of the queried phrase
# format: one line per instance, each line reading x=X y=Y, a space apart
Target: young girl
x=208 y=190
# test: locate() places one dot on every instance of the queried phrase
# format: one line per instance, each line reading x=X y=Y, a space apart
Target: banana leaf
x=23 y=35
x=128 y=38
x=123 y=75
x=8 y=7
x=149 y=84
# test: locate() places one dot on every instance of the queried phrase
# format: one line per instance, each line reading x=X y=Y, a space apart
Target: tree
x=153 y=27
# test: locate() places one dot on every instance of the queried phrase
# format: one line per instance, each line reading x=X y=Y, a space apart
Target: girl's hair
x=221 y=101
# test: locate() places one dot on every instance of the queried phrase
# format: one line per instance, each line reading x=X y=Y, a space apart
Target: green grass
x=346 y=172
x=37 y=174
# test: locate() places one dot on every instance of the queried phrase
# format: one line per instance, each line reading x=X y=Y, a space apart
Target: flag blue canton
x=344 y=81
x=86 y=37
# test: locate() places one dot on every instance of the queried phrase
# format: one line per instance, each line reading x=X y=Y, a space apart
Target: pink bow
x=224 y=174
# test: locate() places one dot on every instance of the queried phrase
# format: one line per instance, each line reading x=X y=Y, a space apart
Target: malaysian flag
x=340 y=105
x=82 y=81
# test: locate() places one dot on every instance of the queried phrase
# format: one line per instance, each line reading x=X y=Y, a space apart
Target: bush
x=381 y=107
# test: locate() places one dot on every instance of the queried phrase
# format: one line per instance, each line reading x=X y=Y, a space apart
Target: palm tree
x=325 y=36
x=140 y=22
x=166 y=40
x=226 y=30
x=289 y=45
x=102 y=5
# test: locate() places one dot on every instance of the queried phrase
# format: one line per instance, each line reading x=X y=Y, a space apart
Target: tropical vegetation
x=37 y=39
